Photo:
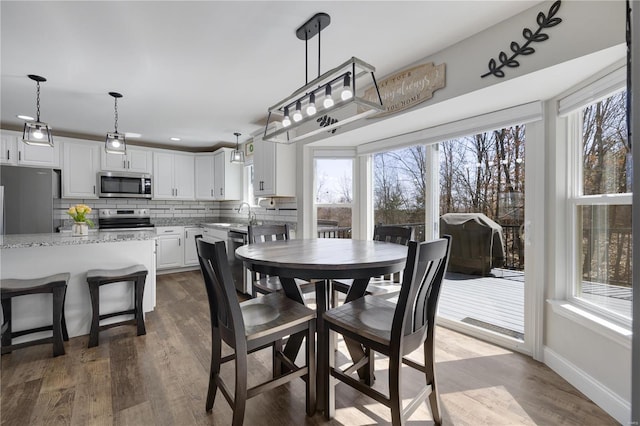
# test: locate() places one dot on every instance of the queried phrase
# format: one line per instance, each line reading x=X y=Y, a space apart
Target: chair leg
x=214 y=371
x=94 y=290
x=276 y=367
x=240 y=398
x=139 y=289
x=65 y=333
x=328 y=384
x=6 y=314
x=58 y=303
x=311 y=365
x=430 y=373
x=395 y=363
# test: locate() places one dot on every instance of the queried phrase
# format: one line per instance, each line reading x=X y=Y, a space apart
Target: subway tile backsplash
x=166 y=213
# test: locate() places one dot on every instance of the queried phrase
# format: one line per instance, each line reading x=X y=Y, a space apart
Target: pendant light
x=237 y=156
x=115 y=142
x=36 y=132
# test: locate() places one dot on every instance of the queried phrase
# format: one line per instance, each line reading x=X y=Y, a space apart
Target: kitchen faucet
x=251 y=217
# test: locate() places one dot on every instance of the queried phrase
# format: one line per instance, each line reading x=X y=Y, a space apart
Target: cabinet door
x=8 y=148
x=139 y=160
x=264 y=168
x=218 y=175
x=170 y=251
x=204 y=177
x=112 y=162
x=45 y=156
x=163 y=176
x=81 y=162
x=183 y=177
x=190 y=252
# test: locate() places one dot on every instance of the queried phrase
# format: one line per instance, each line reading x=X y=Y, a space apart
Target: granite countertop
x=66 y=239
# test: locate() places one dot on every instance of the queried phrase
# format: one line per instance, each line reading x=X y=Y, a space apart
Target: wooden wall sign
x=407 y=88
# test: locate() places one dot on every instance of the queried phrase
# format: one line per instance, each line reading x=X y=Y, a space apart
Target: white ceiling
x=203 y=70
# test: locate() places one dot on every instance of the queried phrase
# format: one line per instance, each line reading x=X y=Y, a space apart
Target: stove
x=124 y=220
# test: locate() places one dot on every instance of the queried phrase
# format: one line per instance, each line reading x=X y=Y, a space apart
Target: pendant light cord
x=38 y=101
x=116 y=113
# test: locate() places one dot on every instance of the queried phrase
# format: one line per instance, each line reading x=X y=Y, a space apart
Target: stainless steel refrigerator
x=26 y=198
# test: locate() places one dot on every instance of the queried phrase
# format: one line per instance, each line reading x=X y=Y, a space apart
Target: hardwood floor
x=161 y=379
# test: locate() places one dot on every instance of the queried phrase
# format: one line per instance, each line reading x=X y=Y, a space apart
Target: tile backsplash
x=162 y=212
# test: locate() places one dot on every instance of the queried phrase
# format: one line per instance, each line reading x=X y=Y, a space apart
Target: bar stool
x=54 y=284
x=99 y=277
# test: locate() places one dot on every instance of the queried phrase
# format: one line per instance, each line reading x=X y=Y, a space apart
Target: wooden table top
x=324 y=258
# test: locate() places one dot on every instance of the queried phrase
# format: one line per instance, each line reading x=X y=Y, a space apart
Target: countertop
x=66 y=239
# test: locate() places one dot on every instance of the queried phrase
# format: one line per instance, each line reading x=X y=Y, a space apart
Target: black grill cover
x=477 y=244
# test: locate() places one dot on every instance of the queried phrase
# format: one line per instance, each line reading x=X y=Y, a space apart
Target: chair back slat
x=264 y=233
x=223 y=302
x=393 y=234
x=422 y=281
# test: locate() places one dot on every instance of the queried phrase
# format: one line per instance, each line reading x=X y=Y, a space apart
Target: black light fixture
x=115 y=142
x=37 y=132
x=347 y=108
x=237 y=156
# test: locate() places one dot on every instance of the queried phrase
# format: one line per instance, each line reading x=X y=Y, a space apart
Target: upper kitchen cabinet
x=80 y=167
x=135 y=160
x=17 y=153
x=227 y=176
x=274 y=169
x=173 y=177
x=204 y=177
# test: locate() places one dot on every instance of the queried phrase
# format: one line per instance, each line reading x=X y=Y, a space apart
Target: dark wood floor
x=161 y=379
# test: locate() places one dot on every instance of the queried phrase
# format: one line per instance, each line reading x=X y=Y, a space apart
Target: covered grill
x=477 y=243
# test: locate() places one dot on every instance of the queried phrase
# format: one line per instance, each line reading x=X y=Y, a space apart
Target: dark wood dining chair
x=394 y=330
x=265 y=284
x=248 y=327
x=389 y=233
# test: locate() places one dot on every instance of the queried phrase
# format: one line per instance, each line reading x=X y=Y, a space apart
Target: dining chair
x=265 y=284
x=248 y=327
x=394 y=330
x=389 y=233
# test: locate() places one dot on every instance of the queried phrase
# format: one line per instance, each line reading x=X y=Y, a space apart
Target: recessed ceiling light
x=25 y=117
x=132 y=135
x=175 y=139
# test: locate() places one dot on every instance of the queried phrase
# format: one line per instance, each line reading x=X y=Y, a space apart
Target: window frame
x=576 y=199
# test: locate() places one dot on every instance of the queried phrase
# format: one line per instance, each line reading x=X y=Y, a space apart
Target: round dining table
x=324 y=259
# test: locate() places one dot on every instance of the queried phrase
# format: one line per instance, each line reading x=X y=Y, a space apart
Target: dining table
x=322 y=260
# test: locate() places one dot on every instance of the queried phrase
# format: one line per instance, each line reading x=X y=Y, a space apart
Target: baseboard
x=616 y=406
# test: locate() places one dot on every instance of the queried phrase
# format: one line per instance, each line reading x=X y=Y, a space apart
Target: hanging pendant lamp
x=115 y=142
x=37 y=132
x=237 y=156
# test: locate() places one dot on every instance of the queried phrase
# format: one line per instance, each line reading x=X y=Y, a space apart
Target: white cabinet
x=204 y=177
x=173 y=176
x=170 y=252
x=227 y=176
x=136 y=160
x=274 y=169
x=80 y=165
x=16 y=152
x=190 y=251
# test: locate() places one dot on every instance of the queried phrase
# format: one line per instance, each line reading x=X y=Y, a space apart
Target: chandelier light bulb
x=311 y=108
x=286 y=121
x=297 y=115
x=328 y=100
x=37 y=134
x=115 y=143
x=346 y=93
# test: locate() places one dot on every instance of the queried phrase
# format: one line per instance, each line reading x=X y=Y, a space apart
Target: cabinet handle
x=179 y=242
x=212 y=192
x=176 y=192
x=220 y=191
x=8 y=155
x=94 y=189
x=128 y=164
x=124 y=163
x=19 y=155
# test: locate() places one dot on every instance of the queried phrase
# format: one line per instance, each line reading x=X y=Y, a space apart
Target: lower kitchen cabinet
x=170 y=251
x=190 y=251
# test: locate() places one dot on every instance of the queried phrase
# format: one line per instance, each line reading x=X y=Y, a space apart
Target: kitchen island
x=39 y=255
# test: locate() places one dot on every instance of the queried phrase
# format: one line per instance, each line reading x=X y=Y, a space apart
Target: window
x=600 y=205
x=334 y=196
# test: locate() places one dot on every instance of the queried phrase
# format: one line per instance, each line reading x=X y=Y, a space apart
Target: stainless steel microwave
x=124 y=185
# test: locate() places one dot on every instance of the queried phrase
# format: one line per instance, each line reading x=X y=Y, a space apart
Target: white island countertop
x=66 y=239
x=38 y=255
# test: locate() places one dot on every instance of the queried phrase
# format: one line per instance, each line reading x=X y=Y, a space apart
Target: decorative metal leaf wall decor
x=544 y=22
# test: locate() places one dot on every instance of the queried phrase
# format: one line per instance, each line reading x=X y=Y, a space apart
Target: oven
x=124 y=220
x=124 y=185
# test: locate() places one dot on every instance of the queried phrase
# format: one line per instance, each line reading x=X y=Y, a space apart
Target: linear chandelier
x=36 y=132
x=300 y=116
